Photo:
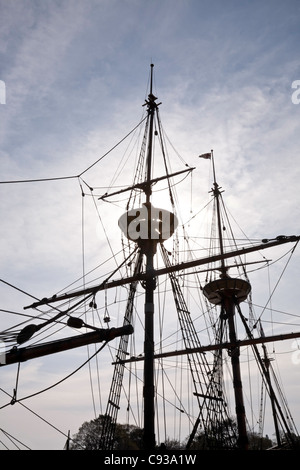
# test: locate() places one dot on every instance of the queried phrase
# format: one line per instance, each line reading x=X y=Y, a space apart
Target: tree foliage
x=129 y=437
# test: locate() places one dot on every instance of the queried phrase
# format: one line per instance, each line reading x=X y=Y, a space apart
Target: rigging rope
x=83 y=277
x=57 y=383
x=279 y=279
x=38 y=180
x=12 y=439
x=37 y=415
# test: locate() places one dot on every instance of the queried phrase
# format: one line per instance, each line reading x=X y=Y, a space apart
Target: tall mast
x=148 y=226
x=149 y=432
x=227 y=292
x=151 y=109
x=217 y=193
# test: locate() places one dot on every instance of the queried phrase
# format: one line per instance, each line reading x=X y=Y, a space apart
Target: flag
x=205 y=155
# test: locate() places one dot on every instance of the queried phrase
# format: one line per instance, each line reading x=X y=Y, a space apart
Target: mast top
x=151 y=77
x=151 y=98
